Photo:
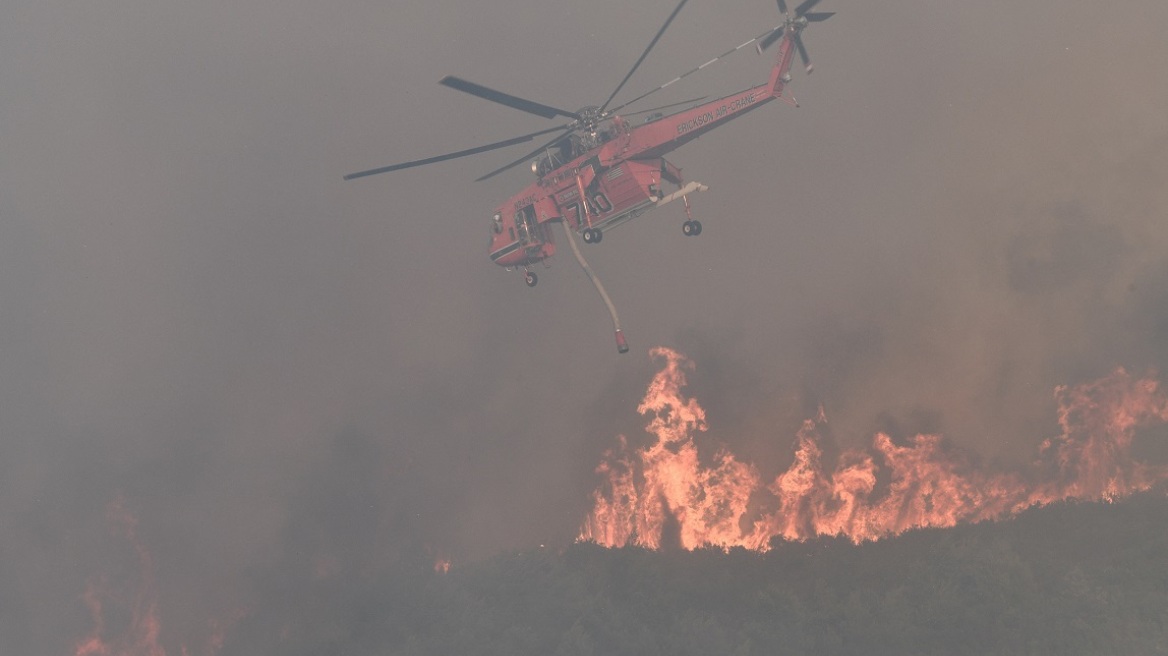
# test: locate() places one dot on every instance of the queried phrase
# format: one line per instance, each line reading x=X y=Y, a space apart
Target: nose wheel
x=530 y=278
x=593 y=235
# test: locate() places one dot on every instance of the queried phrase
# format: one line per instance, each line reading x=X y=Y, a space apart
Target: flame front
x=666 y=481
x=140 y=635
x=662 y=495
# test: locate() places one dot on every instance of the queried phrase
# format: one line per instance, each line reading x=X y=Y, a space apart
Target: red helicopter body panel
x=620 y=179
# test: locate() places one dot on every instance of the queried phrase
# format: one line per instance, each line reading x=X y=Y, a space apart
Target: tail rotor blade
x=771 y=38
x=803 y=52
x=805 y=6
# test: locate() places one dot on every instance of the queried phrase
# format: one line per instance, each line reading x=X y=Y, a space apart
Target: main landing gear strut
x=692 y=227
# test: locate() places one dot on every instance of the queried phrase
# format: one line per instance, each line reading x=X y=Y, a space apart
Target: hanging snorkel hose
x=622 y=346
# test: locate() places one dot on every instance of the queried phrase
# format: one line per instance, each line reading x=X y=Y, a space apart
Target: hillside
x=1072 y=578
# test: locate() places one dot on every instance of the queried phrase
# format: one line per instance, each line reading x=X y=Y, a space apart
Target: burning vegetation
x=664 y=495
x=125 y=614
x=797 y=563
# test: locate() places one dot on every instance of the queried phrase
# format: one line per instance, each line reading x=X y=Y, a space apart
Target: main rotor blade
x=804 y=6
x=644 y=54
x=532 y=107
x=683 y=75
x=454 y=155
x=683 y=102
x=818 y=16
x=566 y=130
x=782 y=7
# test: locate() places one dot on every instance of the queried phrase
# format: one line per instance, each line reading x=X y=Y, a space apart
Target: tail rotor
x=793 y=24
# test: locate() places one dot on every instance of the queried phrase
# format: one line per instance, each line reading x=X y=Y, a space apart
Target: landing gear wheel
x=587 y=235
x=689 y=228
x=530 y=278
x=697 y=228
x=592 y=235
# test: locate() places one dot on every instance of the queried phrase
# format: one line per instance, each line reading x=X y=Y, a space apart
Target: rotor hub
x=590 y=117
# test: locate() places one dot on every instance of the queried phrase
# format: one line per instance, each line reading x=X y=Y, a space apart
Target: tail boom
x=666 y=134
x=781 y=72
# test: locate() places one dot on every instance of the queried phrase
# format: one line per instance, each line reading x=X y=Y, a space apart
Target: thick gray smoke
x=273 y=370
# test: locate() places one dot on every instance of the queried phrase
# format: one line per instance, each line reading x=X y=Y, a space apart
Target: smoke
x=285 y=376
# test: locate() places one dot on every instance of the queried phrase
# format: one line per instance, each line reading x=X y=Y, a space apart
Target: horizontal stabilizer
x=684 y=191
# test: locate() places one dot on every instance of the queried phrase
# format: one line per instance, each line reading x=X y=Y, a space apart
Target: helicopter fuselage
x=617 y=180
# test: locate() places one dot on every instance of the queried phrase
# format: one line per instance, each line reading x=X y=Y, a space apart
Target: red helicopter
x=601 y=170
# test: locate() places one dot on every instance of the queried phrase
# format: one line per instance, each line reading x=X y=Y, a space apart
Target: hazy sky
x=267 y=364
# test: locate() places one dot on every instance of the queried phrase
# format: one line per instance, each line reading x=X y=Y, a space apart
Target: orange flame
x=142 y=634
x=662 y=494
x=666 y=480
